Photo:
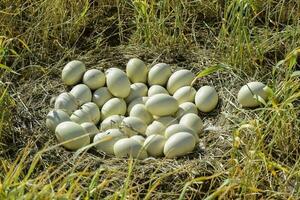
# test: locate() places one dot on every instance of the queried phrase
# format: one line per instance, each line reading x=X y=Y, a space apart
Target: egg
x=93 y=110
x=105 y=141
x=137 y=90
x=186 y=107
x=206 y=99
x=162 y=105
x=133 y=126
x=101 y=96
x=82 y=93
x=72 y=72
x=90 y=128
x=94 y=79
x=179 y=144
x=155 y=128
x=72 y=135
x=117 y=83
x=185 y=94
x=176 y=128
x=80 y=116
x=136 y=70
x=128 y=147
x=179 y=79
x=67 y=102
x=154 y=145
x=142 y=113
x=157 y=89
x=140 y=100
x=167 y=120
x=248 y=94
x=138 y=138
x=113 y=121
x=159 y=74
x=56 y=117
x=192 y=121
x=114 y=106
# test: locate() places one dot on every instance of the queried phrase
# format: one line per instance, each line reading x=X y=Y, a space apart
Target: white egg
x=138 y=138
x=162 y=105
x=101 y=96
x=67 y=102
x=185 y=94
x=206 y=98
x=56 y=117
x=155 y=128
x=133 y=126
x=192 y=121
x=117 y=83
x=136 y=70
x=128 y=147
x=105 y=141
x=179 y=79
x=111 y=122
x=142 y=113
x=154 y=145
x=82 y=93
x=159 y=74
x=179 y=144
x=248 y=94
x=72 y=135
x=93 y=110
x=140 y=100
x=167 y=120
x=80 y=116
x=73 y=72
x=157 y=89
x=185 y=108
x=90 y=128
x=176 y=128
x=137 y=90
x=114 y=106
x=94 y=79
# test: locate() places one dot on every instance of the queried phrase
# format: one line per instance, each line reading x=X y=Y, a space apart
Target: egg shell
x=192 y=121
x=162 y=105
x=206 y=99
x=72 y=72
x=138 y=138
x=133 y=126
x=105 y=141
x=155 y=128
x=73 y=134
x=101 y=96
x=167 y=120
x=142 y=113
x=154 y=145
x=177 y=128
x=80 y=116
x=93 y=110
x=179 y=79
x=56 y=117
x=185 y=108
x=90 y=128
x=136 y=70
x=159 y=74
x=128 y=147
x=114 y=106
x=137 y=90
x=157 y=89
x=185 y=94
x=140 y=100
x=66 y=102
x=117 y=83
x=249 y=93
x=82 y=93
x=111 y=122
x=94 y=79
x=179 y=144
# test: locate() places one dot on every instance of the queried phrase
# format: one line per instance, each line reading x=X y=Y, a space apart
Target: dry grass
x=243 y=154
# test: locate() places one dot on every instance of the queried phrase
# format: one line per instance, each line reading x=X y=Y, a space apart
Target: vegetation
x=245 y=154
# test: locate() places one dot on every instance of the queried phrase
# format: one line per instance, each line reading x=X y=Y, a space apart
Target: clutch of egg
x=138 y=113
